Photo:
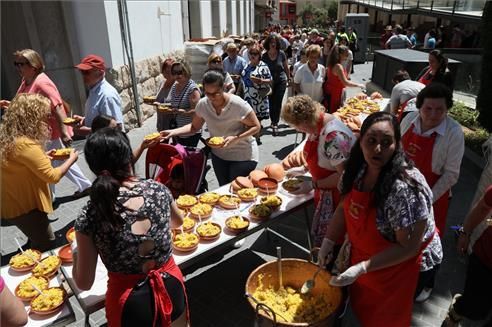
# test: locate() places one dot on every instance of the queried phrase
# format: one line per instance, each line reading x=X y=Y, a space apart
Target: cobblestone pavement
x=216 y=284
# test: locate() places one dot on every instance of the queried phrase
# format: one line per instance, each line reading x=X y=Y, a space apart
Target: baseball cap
x=91 y=61
x=314 y=31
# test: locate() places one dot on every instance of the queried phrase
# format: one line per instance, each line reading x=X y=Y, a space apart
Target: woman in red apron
x=437 y=71
x=336 y=79
x=435 y=143
x=386 y=213
x=327 y=147
x=127 y=223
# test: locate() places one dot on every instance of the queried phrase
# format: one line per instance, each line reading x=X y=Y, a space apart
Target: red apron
x=383 y=297
x=425 y=79
x=320 y=224
x=120 y=285
x=334 y=87
x=401 y=110
x=311 y=155
x=419 y=149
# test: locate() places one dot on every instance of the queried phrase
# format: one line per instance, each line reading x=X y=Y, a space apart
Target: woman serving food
x=387 y=215
x=228 y=117
x=326 y=149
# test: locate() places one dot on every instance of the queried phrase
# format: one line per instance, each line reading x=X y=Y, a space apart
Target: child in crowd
x=176 y=181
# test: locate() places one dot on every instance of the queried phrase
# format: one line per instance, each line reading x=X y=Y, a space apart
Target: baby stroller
x=162 y=158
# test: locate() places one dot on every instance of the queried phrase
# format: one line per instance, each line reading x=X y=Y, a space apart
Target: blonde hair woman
x=26 y=170
x=30 y=67
x=327 y=147
x=215 y=62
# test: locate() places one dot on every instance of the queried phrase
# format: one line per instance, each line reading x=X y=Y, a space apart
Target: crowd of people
x=438 y=37
x=381 y=197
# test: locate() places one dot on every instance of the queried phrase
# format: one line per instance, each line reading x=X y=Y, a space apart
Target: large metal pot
x=294 y=273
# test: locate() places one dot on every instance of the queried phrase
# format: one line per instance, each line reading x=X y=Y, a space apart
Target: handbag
x=264 y=91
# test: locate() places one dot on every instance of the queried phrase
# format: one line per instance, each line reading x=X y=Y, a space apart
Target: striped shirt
x=182 y=101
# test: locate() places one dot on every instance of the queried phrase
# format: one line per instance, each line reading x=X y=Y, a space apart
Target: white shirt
x=297 y=65
x=447 y=153
x=404 y=91
x=399 y=41
x=346 y=63
x=311 y=83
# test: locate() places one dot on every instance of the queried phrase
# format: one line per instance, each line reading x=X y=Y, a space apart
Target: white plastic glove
x=296 y=171
x=325 y=252
x=350 y=275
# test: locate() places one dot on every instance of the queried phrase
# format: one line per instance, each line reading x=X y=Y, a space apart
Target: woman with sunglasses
x=30 y=67
x=230 y=117
x=128 y=224
x=163 y=119
x=256 y=80
x=215 y=62
x=276 y=60
x=184 y=96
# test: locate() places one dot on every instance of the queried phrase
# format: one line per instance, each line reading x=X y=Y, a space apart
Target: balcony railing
x=453 y=7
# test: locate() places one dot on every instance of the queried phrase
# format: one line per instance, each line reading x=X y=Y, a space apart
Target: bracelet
x=461 y=231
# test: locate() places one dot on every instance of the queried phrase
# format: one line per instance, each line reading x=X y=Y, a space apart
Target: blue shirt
x=103 y=100
x=234 y=67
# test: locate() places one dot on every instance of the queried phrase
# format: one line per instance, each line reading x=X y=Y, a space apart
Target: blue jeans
x=226 y=171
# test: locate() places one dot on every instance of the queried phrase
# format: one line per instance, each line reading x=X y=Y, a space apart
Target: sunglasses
x=216 y=61
x=176 y=72
x=254 y=54
x=20 y=64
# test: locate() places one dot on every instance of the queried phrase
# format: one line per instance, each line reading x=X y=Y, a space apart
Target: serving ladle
x=309 y=284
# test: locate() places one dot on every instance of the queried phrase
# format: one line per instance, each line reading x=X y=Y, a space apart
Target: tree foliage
x=484 y=99
x=319 y=16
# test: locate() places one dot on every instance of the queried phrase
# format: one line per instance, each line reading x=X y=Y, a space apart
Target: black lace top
x=119 y=249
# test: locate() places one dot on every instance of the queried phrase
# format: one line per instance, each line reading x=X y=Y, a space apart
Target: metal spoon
x=279 y=267
x=309 y=284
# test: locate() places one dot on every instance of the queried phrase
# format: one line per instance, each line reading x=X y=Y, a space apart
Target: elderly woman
x=128 y=225
x=437 y=71
x=215 y=62
x=326 y=149
x=163 y=119
x=276 y=61
x=26 y=170
x=309 y=77
x=230 y=117
x=30 y=66
x=183 y=96
x=256 y=80
x=336 y=78
x=435 y=143
x=387 y=215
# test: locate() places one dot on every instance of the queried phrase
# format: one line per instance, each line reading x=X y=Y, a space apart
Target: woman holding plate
x=230 y=117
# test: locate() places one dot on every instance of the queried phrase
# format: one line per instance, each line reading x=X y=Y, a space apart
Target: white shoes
x=424 y=295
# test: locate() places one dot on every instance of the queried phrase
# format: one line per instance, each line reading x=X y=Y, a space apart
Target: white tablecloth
x=13 y=278
x=93 y=299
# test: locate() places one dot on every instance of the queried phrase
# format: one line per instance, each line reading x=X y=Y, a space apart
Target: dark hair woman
x=336 y=78
x=436 y=144
x=276 y=60
x=163 y=119
x=387 y=215
x=437 y=71
x=128 y=222
x=230 y=117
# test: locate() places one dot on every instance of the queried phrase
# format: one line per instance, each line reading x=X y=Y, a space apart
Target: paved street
x=216 y=285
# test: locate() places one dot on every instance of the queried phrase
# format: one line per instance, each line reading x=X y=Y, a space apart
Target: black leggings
x=139 y=307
